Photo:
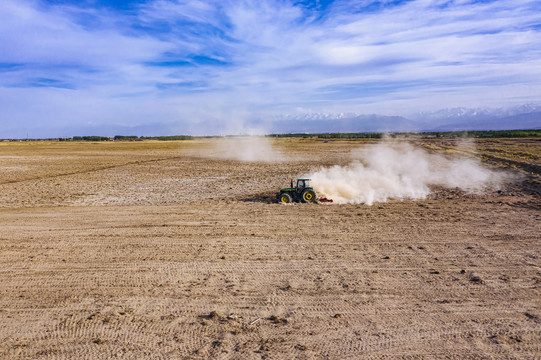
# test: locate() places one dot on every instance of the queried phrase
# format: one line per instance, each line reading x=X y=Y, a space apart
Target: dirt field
x=165 y=250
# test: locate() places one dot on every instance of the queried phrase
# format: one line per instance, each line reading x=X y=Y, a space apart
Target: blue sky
x=208 y=67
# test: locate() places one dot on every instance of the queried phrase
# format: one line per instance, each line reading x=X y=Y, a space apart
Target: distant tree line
x=331 y=135
x=361 y=135
x=89 y=138
x=126 y=138
x=437 y=134
x=165 y=138
x=488 y=133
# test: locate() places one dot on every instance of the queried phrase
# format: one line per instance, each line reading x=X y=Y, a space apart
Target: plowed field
x=169 y=250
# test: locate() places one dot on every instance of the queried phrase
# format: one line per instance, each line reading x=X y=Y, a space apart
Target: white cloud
x=32 y=34
x=271 y=57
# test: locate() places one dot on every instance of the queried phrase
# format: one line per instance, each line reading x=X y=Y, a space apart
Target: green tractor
x=302 y=192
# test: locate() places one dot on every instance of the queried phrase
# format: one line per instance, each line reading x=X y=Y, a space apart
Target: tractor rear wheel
x=285 y=198
x=308 y=196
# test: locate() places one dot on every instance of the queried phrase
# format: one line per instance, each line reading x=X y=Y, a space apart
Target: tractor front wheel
x=285 y=198
x=308 y=196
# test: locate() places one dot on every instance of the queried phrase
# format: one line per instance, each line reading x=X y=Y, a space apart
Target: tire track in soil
x=381 y=284
x=96 y=169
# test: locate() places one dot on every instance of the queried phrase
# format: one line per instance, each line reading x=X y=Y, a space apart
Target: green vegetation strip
x=437 y=134
x=432 y=134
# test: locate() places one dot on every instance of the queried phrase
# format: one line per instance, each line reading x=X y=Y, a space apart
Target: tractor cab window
x=301 y=184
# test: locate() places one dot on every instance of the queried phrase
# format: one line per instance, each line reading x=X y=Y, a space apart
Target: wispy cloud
x=229 y=63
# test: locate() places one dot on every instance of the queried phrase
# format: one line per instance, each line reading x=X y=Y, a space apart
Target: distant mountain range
x=521 y=117
x=354 y=123
x=455 y=119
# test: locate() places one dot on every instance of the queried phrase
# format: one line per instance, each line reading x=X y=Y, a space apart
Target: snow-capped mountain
x=526 y=116
x=327 y=123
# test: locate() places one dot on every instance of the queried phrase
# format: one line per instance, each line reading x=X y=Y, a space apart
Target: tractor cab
x=301 y=192
x=302 y=184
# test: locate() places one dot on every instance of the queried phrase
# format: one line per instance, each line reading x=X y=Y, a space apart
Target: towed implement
x=302 y=192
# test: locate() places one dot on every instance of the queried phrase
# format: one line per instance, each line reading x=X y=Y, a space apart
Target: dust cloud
x=396 y=169
x=250 y=148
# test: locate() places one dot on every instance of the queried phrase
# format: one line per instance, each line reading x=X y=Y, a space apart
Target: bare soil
x=159 y=250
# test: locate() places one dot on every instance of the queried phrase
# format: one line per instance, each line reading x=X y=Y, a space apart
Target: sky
x=203 y=67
